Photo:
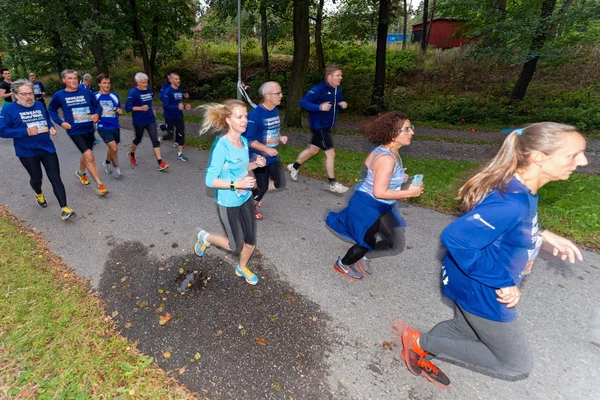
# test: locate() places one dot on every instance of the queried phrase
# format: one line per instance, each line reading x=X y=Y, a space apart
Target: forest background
x=529 y=60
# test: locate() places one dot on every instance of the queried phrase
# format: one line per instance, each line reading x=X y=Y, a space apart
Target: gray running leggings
x=498 y=349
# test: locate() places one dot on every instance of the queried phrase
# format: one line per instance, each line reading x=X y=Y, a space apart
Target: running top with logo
x=491 y=247
x=107 y=105
x=171 y=98
x=90 y=88
x=77 y=110
x=6 y=86
x=263 y=126
x=139 y=98
x=396 y=180
x=313 y=99
x=162 y=89
x=38 y=91
x=229 y=163
x=14 y=121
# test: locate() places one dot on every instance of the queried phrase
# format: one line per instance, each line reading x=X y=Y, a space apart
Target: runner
x=323 y=103
x=86 y=83
x=490 y=249
x=172 y=99
x=77 y=106
x=372 y=211
x=109 y=108
x=139 y=103
x=5 y=90
x=263 y=135
x=30 y=127
x=228 y=173
x=38 y=88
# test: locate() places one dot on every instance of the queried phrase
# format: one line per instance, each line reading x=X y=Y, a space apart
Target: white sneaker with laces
x=338 y=188
x=107 y=168
x=293 y=172
x=118 y=173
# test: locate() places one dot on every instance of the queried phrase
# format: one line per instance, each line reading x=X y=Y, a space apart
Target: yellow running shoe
x=66 y=213
x=41 y=200
x=83 y=178
x=102 y=190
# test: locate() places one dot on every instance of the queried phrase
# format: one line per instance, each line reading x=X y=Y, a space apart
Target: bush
x=52 y=86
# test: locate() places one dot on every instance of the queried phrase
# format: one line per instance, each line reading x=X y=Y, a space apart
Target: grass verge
x=569 y=208
x=56 y=340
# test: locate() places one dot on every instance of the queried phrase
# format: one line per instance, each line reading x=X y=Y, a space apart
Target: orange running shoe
x=132 y=159
x=162 y=165
x=412 y=352
x=102 y=190
x=82 y=178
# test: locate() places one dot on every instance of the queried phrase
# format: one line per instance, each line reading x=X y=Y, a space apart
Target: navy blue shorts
x=110 y=135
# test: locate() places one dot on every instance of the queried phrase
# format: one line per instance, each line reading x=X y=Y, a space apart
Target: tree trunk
x=293 y=113
x=563 y=10
x=154 y=47
x=378 y=99
x=97 y=45
x=537 y=43
x=318 y=41
x=139 y=37
x=424 y=26
x=264 y=38
x=405 y=17
x=431 y=21
x=59 y=59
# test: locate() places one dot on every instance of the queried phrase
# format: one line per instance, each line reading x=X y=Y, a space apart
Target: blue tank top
x=395 y=182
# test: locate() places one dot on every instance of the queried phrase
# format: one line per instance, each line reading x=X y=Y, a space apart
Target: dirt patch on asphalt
x=222 y=337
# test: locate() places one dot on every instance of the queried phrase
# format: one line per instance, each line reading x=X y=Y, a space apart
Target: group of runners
x=490 y=248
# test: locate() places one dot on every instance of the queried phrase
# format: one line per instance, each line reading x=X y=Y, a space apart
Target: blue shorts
x=110 y=135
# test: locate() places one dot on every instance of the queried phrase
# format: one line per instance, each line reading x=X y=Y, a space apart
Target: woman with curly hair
x=372 y=211
x=228 y=173
x=490 y=250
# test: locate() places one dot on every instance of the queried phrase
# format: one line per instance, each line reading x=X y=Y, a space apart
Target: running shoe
x=96 y=141
x=338 y=188
x=132 y=159
x=293 y=172
x=82 y=178
x=250 y=278
x=107 y=168
x=411 y=351
x=162 y=127
x=433 y=374
x=162 y=165
x=201 y=243
x=364 y=264
x=41 y=200
x=102 y=190
x=181 y=157
x=118 y=173
x=257 y=215
x=347 y=270
x=66 y=213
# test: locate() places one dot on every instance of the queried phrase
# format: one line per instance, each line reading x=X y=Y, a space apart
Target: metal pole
x=239 y=21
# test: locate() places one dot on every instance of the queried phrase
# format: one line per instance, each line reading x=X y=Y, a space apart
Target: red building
x=442 y=33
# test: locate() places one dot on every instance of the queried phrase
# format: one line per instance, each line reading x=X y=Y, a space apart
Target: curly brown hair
x=385 y=127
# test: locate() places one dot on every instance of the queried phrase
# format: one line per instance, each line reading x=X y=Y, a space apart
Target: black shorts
x=110 y=135
x=262 y=175
x=84 y=141
x=239 y=224
x=322 y=139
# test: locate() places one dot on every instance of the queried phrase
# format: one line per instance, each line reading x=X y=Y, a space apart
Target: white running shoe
x=107 y=168
x=338 y=188
x=293 y=172
x=118 y=173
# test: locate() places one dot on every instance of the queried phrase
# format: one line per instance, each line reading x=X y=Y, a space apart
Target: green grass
x=56 y=341
x=569 y=208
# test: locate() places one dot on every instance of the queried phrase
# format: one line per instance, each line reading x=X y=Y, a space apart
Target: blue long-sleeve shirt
x=38 y=90
x=138 y=98
x=491 y=247
x=14 y=121
x=312 y=100
x=229 y=163
x=77 y=108
x=171 y=98
x=107 y=105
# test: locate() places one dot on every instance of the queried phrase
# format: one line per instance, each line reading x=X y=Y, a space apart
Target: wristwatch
x=232 y=185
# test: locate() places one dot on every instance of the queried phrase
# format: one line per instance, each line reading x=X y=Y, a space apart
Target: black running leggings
x=391 y=238
x=139 y=133
x=33 y=165
x=176 y=128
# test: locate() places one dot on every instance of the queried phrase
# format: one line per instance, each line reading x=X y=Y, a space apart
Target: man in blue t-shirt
x=86 y=83
x=263 y=136
x=172 y=98
x=79 y=115
x=323 y=103
x=109 y=109
x=38 y=88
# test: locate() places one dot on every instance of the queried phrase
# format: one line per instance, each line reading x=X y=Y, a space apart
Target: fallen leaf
x=408 y=246
x=114 y=314
x=167 y=355
x=244 y=332
x=163 y=319
x=561 y=286
x=123 y=279
x=314 y=319
x=181 y=370
x=219 y=333
x=160 y=291
x=240 y=327
x=261 y=341
x=128 y=324
x=197 y=356
x=181 y=270
x=593 y=266
x=389 y=345
x=118 y=262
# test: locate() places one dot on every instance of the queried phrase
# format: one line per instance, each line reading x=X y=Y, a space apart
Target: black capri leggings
x=176 y=128
x=262 y=175
x=33 y=165
x=151 y=128
x=391 y=237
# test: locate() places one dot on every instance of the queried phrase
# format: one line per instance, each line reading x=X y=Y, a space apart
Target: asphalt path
x=560 y=307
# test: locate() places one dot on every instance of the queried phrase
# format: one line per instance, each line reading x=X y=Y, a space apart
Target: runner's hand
x=414 y=190
x=180 y=106
x=283 y=139
x=32 y=130
x=188 y=106
x=95 y=118
x=509 y=296
x=120 y=111
x=343 y=104
x=261 y=161
x=246 y=182
x=53 y=131
x=565 y=247
x=271 y=152
x=326 y=106
x=66 y=125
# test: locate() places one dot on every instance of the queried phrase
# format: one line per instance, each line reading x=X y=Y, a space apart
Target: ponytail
x=216 y=113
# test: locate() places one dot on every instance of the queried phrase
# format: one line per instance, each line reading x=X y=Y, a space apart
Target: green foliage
x=52 y=86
